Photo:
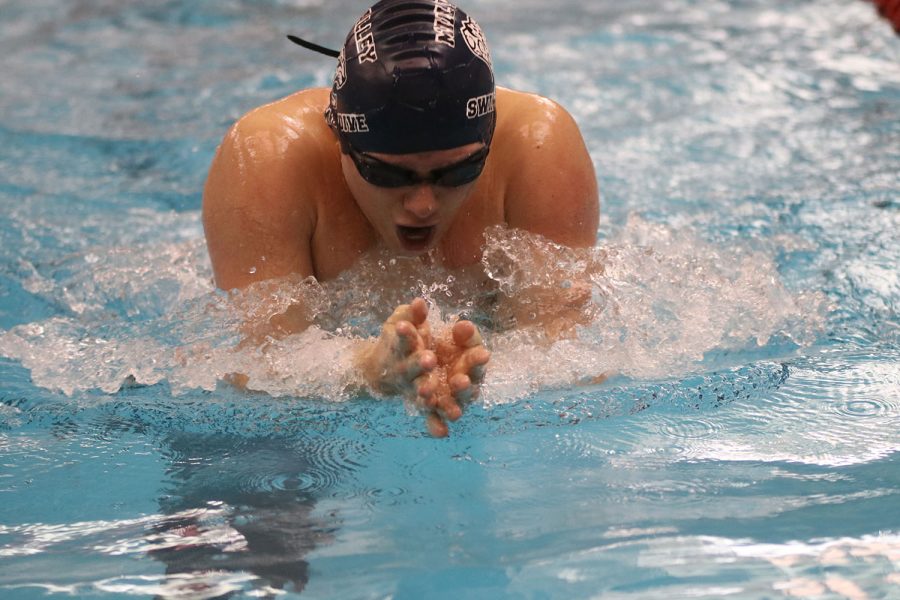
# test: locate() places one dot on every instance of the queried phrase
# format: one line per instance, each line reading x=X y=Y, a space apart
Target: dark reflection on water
x=267 y=490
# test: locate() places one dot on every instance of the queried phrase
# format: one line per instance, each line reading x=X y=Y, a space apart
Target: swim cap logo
x=331 y=110
x=340 y=75
x=352 y=123
x=444 y=21
x=365 y=41
x=480 y=106
x=475 y=40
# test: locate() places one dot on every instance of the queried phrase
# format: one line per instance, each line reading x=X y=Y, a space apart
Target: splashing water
x=762 y=134
x=660 y=301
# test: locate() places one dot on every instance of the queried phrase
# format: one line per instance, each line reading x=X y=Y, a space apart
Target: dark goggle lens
x=382 y=174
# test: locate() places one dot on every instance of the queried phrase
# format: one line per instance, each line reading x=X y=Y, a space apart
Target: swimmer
x=412 y=149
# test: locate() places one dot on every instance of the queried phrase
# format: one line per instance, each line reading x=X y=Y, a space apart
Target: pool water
x=745 y=297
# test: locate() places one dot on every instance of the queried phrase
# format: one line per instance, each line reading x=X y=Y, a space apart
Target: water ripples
x=691 y=567
x=227 y=467
x=651 y=487
x=838 y=409
x=331 y=461
x=865 y=408
x=690 y=429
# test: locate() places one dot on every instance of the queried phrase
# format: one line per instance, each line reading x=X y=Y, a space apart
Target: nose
x=421 y=201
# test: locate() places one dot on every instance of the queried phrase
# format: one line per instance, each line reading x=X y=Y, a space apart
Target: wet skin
x=441 y=376
x=282 y=199
x=411 y=219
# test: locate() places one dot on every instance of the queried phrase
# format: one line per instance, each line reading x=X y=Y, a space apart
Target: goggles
x=382 y=174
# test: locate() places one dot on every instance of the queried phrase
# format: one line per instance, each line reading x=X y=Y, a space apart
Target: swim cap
x=413 y=75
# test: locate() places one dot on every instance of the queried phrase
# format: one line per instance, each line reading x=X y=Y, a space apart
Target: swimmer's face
x=412 y=219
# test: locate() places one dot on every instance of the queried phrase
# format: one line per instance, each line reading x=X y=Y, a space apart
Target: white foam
x=660 y=299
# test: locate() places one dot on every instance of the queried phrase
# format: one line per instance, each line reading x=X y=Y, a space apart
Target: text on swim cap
x=480 y=106
x=444 y=23
x=365 y=41
x=352 y=123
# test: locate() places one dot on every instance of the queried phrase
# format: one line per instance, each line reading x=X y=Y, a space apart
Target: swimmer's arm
x=553 y=191
x=256 y=215
x=555 y=195
x=257 y=228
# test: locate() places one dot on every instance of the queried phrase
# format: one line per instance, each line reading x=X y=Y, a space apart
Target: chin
x=413 y=253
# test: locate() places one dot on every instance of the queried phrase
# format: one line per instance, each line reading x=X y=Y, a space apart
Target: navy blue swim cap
x=413 y=76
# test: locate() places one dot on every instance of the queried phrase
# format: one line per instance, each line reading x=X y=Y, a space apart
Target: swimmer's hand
x=441 y=378
x=462 y=361
x=401 y=360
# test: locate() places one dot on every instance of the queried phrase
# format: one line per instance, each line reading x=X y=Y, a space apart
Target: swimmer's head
x=413 y=76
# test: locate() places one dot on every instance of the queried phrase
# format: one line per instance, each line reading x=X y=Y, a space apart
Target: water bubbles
x=651 y=302
x=660 y=300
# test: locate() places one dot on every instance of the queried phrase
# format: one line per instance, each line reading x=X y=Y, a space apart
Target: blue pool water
x=746 y=296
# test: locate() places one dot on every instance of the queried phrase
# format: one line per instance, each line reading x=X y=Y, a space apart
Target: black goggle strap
x=314 y=47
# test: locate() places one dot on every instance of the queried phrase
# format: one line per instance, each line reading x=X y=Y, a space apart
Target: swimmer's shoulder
x=270 y=175
x=275 y=165
x=548 y=175
x=285 y=144
x=299 y=116
x=526 y=120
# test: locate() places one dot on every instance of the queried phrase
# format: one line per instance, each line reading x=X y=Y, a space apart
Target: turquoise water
x=745 y=287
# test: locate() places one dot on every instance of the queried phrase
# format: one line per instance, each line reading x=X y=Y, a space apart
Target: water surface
x=745 y=303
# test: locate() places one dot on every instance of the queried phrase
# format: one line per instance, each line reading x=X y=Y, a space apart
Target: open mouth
x=415 y=239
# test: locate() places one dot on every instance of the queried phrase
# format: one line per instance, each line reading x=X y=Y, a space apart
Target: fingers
x=462 y=388
x=437 y=396
x=472 y=363
x=427 y=386
x=410 y=321
x=401 y=353
x=445 y=402
x=436 y=425
x=475 y=357
x=411 y=333
x=416 y=312
x=424 y=331
x=466 y=335
x=442 y=402
x=441 y=393
x=419 y=318
x=401 y=313
x=418 y=309
x=407 y=338
x=449 y=408
x=433 y=399
x=416 y=365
